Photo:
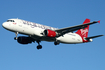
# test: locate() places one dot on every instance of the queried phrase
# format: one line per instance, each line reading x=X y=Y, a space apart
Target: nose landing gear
x=15 y=38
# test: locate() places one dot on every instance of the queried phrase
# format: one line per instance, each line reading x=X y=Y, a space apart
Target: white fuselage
x=34 y=30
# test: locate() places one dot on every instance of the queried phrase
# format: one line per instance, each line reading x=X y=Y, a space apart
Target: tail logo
x=84 y=31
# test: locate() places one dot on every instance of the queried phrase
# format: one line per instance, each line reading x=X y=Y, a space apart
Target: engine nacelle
x=24 y=40
x=50 y=33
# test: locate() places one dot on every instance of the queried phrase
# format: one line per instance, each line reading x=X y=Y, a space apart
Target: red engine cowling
x=24 y=40
x=49 y=33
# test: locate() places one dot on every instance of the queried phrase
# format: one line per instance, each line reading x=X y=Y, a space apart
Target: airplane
x=36 y=32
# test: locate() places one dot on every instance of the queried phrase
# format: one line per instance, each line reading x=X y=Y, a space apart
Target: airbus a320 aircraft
x=37 y=32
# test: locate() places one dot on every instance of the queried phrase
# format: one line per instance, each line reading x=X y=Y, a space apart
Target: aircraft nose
x=5 y=25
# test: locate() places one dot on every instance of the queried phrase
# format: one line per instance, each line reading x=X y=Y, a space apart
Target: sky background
x=59 y=14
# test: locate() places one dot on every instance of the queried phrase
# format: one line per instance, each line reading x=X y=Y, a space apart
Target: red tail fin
x=84 y=32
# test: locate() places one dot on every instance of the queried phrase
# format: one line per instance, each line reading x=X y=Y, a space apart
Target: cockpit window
x=10 y=21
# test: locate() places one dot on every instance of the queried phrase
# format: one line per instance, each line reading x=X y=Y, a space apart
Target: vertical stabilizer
x=84 y=32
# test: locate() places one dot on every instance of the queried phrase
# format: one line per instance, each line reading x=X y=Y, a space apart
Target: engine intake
x=50 y=33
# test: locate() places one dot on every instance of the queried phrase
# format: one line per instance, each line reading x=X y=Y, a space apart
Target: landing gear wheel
x=56 y=43
x=15 y=38
x=39 y=47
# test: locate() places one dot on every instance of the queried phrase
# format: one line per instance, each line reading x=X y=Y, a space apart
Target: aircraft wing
x=63 y=31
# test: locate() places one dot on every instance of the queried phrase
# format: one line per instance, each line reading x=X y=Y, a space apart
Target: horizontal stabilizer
x=99 y=21
x=94 y=37
x=63 y=31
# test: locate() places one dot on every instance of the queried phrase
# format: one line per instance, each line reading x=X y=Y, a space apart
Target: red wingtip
x=99 y=21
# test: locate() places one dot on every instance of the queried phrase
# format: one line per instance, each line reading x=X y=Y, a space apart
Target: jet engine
x=24 y=40
x=50 y=33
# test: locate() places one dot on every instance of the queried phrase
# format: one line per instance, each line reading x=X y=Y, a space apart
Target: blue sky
x=59 y=14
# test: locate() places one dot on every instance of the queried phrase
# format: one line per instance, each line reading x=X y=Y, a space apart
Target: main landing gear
x=56 y=43
x=39 y=46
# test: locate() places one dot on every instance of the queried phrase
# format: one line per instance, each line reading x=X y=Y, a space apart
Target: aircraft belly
x=48 y=39
x=70 y=39
x=43 y=38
